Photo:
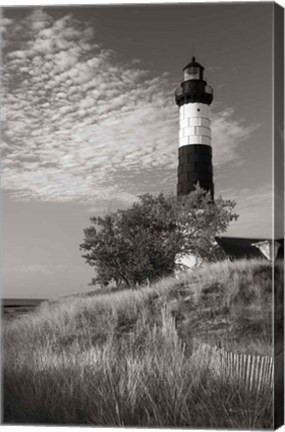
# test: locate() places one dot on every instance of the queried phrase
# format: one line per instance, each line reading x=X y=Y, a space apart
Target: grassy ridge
x=125 y=358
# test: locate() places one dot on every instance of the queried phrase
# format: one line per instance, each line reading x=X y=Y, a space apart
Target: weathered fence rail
x=252 y=372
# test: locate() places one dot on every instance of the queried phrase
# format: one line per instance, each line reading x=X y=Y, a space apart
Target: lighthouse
x=194 y=97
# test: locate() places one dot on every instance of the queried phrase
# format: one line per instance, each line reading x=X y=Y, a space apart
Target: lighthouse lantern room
x=194 y=98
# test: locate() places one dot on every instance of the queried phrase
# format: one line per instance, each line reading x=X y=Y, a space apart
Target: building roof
x=194 y=63
x=238 y=247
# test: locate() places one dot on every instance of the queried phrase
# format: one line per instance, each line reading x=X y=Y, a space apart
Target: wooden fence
x=252 y=372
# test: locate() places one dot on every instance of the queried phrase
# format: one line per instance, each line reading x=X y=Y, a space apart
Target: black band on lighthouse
x=195 y=166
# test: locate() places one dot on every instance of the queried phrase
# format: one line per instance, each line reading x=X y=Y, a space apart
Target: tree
x=200 y=220
x=141 y=243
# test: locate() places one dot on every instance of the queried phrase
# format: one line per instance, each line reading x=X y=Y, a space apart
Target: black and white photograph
x=142 y=163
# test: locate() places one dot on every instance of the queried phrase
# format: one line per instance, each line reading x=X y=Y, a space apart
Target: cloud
x=5 y=24
x=228 y=133
x=81 y=125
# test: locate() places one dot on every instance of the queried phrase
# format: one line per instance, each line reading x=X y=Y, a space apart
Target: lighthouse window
x=191 y=73
x=198 y=109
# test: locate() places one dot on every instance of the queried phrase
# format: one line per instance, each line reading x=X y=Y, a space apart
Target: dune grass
x=124 y=358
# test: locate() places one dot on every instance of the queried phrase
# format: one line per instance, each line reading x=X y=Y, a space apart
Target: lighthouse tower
x=194 y=98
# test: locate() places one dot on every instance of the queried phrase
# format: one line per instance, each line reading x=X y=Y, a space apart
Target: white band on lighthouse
x=194 y=124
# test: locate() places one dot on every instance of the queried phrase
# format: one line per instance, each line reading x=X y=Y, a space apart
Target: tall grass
x=125 y=358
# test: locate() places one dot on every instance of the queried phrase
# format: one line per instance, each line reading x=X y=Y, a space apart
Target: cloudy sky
x=90 y=122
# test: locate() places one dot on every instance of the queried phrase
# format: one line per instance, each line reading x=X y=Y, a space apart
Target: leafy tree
x=200 y=220
x=140 y=243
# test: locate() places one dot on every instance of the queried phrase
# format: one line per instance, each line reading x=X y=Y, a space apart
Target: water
x=12 y=308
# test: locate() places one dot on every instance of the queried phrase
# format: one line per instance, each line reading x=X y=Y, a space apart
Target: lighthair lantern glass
x=191 y=73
